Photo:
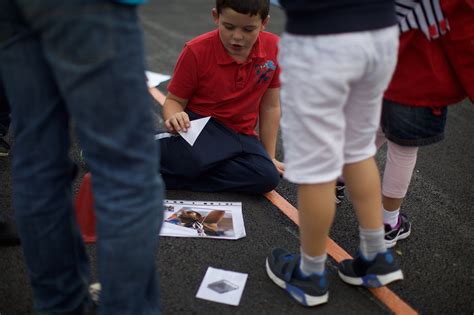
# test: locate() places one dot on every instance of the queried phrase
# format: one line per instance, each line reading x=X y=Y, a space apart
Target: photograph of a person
x=206 y=222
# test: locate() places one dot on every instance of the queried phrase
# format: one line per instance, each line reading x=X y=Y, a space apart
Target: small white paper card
x=222 y=286
x=194 y=130
x=154 y=79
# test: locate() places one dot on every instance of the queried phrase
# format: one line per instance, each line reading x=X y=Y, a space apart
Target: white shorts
x=332 y=89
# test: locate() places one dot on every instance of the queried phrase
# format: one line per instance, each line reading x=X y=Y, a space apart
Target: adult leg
x=4 y=112
x=116 y=131
x=4 y=121
x=42 y=175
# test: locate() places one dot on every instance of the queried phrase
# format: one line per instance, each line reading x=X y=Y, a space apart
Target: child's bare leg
x=391 y=204
x=316 y=212
x=363 y=181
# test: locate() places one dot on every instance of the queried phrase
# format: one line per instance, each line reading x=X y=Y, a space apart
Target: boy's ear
x=215 y=15
x=265 y=22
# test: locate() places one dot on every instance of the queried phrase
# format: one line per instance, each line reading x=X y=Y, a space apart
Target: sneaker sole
x=371 y=280
x=392 y=243
x=296 y=293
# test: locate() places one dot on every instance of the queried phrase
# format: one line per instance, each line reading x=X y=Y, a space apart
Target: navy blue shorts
x=411 y=125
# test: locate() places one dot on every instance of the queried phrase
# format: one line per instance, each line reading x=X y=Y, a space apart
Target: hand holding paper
x=194 y=130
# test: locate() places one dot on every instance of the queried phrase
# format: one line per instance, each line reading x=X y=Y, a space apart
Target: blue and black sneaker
x=371 y=274
x=282 y=268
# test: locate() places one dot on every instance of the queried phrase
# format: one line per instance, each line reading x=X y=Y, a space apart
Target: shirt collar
x=223 y=58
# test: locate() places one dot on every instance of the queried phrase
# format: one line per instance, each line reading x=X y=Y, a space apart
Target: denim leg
x=42 y=175
x=4 y=112
x=95 y=51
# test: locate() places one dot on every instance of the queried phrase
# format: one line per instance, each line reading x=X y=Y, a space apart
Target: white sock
x=312 y=264
x=372 y=242
x=391 y=217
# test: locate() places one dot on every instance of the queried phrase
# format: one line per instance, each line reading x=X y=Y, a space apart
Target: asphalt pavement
x=437 y=258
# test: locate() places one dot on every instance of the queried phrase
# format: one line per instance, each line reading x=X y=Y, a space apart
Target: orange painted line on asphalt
x=384 y=294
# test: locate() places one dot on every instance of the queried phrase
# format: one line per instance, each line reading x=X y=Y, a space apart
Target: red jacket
x=438 y=72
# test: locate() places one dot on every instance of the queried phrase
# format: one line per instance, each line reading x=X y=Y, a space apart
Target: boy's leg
x=362 y=180
x=246 y=173
x=313 y=137
x=241 y=164
x=316 y=213
x=219 y=160
x=374 y=266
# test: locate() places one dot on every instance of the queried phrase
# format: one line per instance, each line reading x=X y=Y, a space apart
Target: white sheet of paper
x=194 y=131
x=154 y=79
x=222 y=286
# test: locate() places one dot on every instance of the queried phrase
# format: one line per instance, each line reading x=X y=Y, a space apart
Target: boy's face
x=238 y=32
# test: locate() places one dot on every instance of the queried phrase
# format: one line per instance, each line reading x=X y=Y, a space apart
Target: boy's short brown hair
x=251 y=7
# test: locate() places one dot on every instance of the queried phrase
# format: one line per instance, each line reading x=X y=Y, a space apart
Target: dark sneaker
x=282 y=269
x=401 y=231
x=371 y=274
x=4 y=147
x=8 y=235
x=340 y=192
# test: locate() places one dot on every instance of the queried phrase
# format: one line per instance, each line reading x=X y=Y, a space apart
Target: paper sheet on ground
x=194 y=130
x=154 y=79
x=207 y=219
x=222 y=286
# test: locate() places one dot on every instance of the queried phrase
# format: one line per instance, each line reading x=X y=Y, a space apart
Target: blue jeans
x=82 y=61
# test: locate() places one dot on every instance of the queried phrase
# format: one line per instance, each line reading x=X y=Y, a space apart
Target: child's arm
x=269 y=121
x=173 y=113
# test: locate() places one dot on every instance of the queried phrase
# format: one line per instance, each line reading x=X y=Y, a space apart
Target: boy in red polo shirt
x=232 y=75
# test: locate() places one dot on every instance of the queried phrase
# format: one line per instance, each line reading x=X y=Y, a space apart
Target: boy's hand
x=178 y=122
x=279 y=166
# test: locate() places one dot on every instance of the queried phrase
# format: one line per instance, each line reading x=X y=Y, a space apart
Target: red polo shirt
x=216 y=85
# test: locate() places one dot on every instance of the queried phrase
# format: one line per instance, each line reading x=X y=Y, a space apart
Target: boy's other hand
x=178 y=122
x=279 y=166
